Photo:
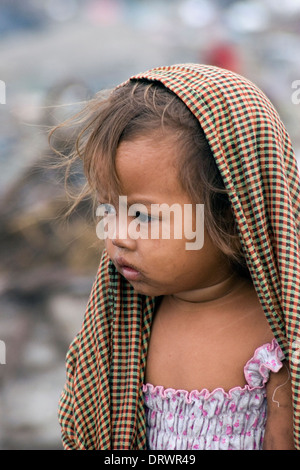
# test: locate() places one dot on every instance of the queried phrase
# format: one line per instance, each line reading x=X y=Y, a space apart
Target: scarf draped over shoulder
x=101 y=406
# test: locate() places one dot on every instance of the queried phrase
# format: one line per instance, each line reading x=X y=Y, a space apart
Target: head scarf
x=101 y=406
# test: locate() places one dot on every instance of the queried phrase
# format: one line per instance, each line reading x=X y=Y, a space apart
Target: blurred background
x=55 y=53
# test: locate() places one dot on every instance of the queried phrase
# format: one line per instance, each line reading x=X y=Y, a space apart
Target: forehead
x=146 y=166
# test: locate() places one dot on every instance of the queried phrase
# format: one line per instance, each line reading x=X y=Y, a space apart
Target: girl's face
x=158 y=266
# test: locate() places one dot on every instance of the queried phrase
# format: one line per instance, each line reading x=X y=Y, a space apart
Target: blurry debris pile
x=48 y=263
x=39 y=247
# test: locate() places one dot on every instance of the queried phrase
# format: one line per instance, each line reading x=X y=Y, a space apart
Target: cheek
x=164 y=255
x=109 y=247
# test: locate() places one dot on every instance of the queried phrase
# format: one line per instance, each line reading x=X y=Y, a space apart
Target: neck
x=208 y=294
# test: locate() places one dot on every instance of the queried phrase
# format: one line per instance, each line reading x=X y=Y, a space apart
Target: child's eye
x=144 y=218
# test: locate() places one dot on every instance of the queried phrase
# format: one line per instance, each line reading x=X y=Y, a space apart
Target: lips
x=128 y=270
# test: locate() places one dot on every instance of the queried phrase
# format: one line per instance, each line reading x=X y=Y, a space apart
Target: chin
x=144 y=289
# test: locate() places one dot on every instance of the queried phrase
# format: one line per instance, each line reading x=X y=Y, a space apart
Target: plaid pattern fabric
x=101 y=406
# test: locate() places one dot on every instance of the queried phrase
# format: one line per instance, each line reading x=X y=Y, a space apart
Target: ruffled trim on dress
x=267 y=358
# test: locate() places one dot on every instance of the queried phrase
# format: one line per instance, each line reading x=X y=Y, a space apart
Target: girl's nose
x=126 y=243
x=121 y=237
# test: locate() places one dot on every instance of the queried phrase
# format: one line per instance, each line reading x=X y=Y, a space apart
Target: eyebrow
x=145 y=202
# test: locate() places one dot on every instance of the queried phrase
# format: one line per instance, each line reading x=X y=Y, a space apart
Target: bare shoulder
x=250 y=322
x=251 y=313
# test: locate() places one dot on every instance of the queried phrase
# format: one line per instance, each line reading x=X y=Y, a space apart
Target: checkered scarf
x=101 y=406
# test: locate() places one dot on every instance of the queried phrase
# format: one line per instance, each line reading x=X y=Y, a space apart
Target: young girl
x=189 y=348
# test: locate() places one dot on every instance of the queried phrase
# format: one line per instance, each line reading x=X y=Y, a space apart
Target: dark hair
x=138 y=108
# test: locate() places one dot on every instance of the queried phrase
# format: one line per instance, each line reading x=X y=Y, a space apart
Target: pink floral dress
x=203 y=420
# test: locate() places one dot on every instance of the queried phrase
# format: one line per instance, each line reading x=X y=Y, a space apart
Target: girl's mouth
x=127 y=269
